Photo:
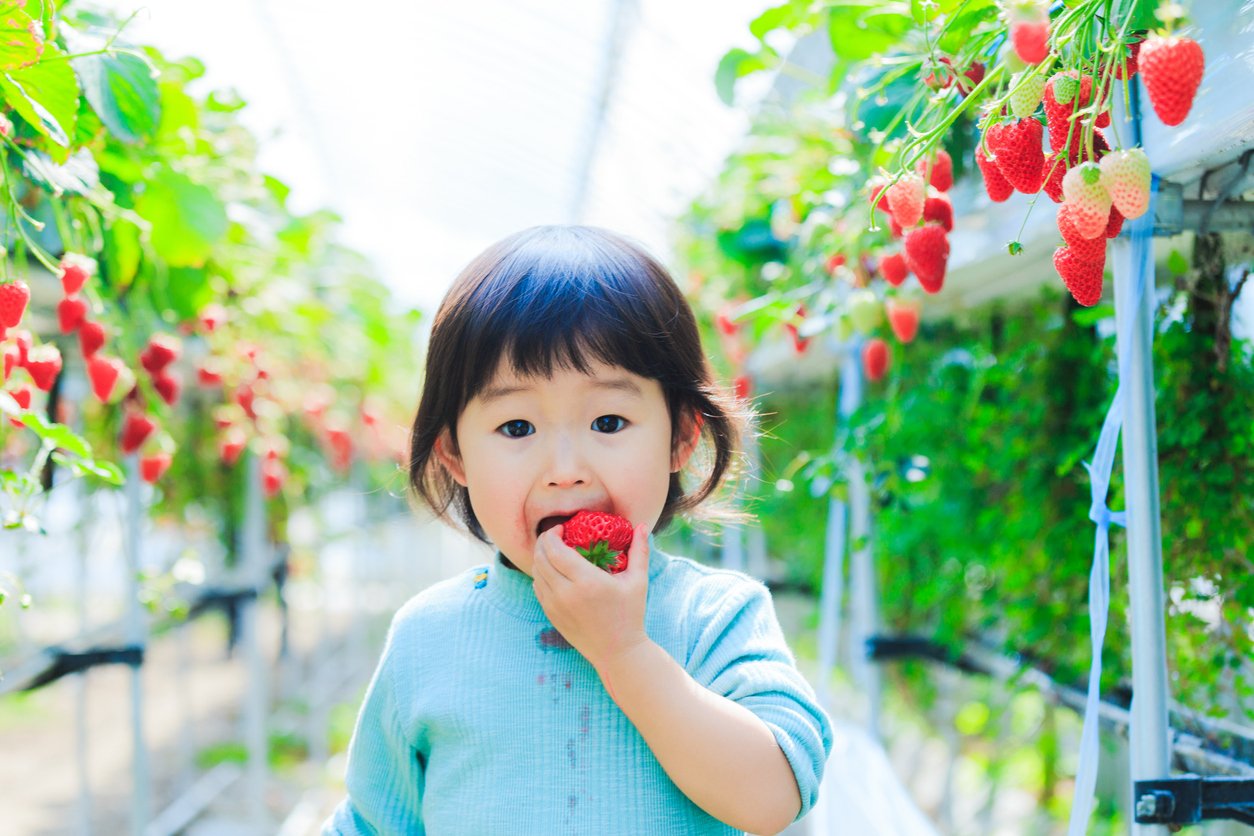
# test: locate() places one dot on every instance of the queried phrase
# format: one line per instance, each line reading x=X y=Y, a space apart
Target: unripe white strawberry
x=1126 y=176
x=1027 y=90
x=1089 y=202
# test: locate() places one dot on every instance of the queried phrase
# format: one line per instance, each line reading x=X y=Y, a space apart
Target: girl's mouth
x=550 y=522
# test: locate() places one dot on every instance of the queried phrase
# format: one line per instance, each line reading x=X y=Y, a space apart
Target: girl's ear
x=686 y=444
x=445 y=453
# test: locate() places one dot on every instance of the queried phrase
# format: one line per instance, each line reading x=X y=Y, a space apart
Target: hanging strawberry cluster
x=1097 y=187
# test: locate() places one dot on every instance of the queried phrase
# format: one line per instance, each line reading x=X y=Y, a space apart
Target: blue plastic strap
x=1140 y=232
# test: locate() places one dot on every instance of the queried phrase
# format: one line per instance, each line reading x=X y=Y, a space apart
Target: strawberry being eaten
x=601 y=537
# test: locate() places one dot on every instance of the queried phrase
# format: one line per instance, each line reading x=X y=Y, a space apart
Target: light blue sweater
x=482 y=720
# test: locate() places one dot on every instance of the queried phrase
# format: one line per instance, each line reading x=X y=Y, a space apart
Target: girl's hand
x=601 y=615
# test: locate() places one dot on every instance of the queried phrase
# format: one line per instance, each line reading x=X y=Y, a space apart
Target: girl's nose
x=566 y=464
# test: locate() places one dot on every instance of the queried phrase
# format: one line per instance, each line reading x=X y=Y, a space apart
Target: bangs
x=566 y=311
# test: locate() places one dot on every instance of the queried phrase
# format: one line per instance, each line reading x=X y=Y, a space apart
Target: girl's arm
x=718 y=752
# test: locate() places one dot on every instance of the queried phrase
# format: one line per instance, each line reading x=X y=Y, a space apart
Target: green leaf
x=858 y=32
x=1177 y=263
x=187 y=218
x=57 y=435
x=122 y=89
x=122 y=252
x=46 y=95
x=77 y=175
x=958 y=30
x=736 y=64
x=187 y=291
x=105 y=471
x=21 y=38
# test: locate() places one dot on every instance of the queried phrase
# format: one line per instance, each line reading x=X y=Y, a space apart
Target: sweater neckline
x=512 y=590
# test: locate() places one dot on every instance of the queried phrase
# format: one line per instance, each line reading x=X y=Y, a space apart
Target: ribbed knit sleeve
x=385 y=772
x=739 y=651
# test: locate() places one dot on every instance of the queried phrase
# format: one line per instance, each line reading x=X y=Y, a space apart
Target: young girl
x=540 y=694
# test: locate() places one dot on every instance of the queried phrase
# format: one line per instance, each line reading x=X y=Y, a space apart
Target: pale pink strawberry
x=906 y=198
x=1089 y=201
x=1126 y=176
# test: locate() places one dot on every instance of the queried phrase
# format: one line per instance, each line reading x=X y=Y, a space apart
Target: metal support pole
x=833 y=593
x=136 y=635
x=864 y=603
x=1132 y=259
x=253 y=560
x=83 y=543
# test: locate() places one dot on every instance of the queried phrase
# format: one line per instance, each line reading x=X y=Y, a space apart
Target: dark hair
x=561 y=297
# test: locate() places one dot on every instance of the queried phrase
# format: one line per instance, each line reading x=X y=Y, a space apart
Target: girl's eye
x=517 y=428
x=609 y=423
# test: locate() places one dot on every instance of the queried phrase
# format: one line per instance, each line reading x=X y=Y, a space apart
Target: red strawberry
x=1114 y=224
x=601 y=537
x=153 y=466
x=244 y=396
x=11 y=359
x=21 y=394
x=75 y=270
x=212 y=316
x=894 y=228
x=231 y=445
x=1065 y=94
x=91 y=337
x=905 y=199
x=14 y=296
x=1030 y=40
x=877 y=187
x=44 y=364
x=168 y=385
x=1171 y=70
x=894 y=269
x=162 y=350
x=1134 y=50
x=208 y=374
x=874 y=358
x=994 y=183
x=725 y=323
x=903 y=317
x=22 y=342
x=799 y=343
x=1082 y=278
x=104 y=373
x=833 y=261
x=927 y=252
x=273 y=476
x=71 y=313
x=1018 y=154
x=942 y=174
x=743 y=386
x=939 y=210
x=136 y=428
x=1084 y=249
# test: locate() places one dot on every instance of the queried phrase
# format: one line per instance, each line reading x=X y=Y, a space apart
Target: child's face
x=534 y=450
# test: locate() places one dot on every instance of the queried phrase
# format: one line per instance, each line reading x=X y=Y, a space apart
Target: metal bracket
x=1174 y=214
x=884 y=648
x=1191 y=798
x=66 y=662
